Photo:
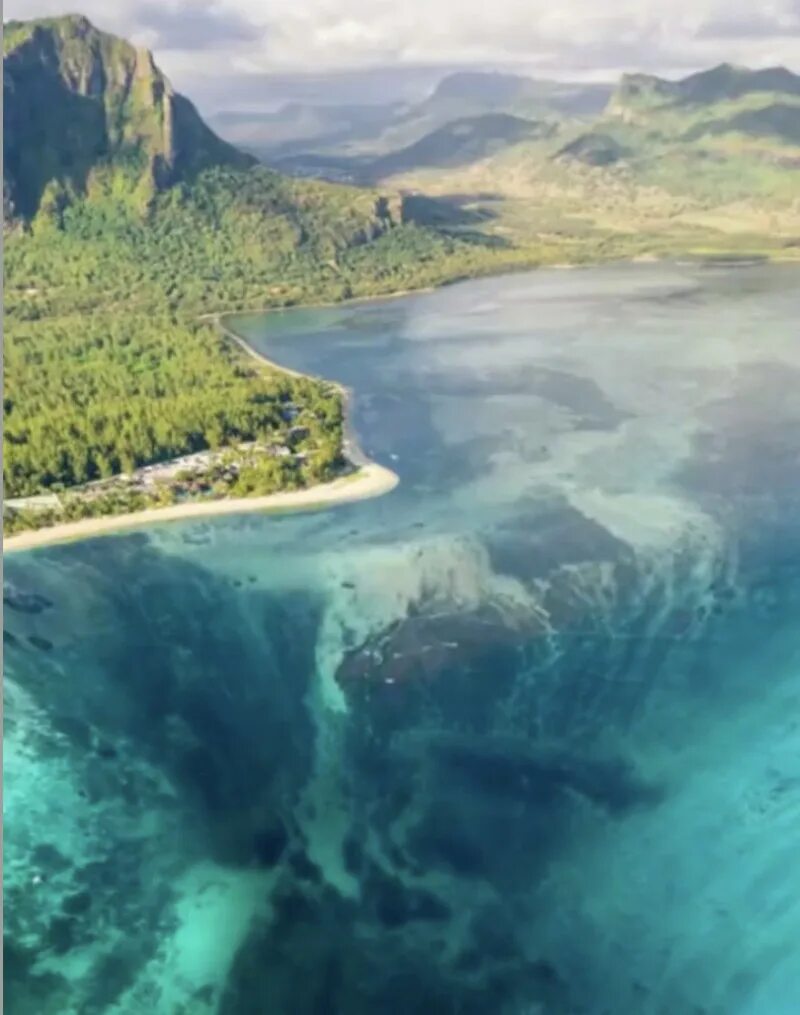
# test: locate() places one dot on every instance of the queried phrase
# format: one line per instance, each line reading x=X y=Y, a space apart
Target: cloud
x=213 y=48
x=192 y=25
x=754 y=25
x=162 y=25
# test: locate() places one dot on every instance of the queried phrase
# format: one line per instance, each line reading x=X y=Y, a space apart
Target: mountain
x=84 y=109
x=711 y=109
x=711 y=159
x=514 y=93
x=332 y=141
x=725 y=83
x=130 y=218
x=458 y=142
x=593 y=149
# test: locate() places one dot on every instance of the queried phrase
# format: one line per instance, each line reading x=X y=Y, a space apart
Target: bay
x=519 y=736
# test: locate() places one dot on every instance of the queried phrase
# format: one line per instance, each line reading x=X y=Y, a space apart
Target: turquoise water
x=520 y=737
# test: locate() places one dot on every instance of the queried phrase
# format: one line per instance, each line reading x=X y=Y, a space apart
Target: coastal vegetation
x=109 y=263
x=128 y=221
x=312 y=455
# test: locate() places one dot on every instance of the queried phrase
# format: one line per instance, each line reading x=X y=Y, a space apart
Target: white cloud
x=195 y=39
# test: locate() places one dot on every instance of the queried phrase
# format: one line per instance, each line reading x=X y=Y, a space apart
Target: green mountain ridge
x=460 y=141
x=725 y=82
x=130 y=219
x=727 y=111
x=706 y=162
x=85 y=110
x=683 y=135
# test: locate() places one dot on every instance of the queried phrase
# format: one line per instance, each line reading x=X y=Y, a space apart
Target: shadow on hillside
x=448 y=209
x=461 y=213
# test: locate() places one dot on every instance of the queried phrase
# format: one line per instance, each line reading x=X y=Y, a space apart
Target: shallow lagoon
x=521 y=736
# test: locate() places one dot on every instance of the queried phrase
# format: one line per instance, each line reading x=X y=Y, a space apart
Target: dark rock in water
x=325 y=961
x=269 y=845
x=510 y=767
x=49 y=859
x=304 y=867
x=294 y=906
x=40 y=643
x=24 y=602
x=113 y=974
x=74 y=905
x=98 y=873
x=32 y=992
x=101 y=782
x=78 y=731
x=493 y=934
x=440 y=841
x=107 y=751
x=9 y=638
x=396 y=904
x=61 y=934
x=434 y=664
x=353 y=853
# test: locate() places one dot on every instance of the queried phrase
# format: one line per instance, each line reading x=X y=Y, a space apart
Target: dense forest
x=126 y=221
x=105 y=393
x=107 y=364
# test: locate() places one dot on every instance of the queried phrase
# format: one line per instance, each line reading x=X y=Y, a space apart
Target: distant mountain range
x=725 y=83
x=715 y=155
x=726 y=134
x=371 y=131
x=728 y=110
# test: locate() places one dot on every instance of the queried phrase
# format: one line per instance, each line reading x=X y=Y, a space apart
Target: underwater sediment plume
x=519 y=737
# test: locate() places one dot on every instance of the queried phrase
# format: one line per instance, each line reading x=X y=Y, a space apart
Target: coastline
x=371 y=480
x=350 y=446
x=349 y=301
x=368 y=480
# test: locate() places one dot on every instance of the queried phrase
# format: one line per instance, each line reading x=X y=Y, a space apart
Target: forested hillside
x=129 y=219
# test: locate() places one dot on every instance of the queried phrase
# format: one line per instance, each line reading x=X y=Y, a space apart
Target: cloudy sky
x=217 y=51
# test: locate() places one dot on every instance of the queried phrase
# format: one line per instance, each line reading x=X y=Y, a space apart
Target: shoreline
x=351 y=449
x=368 y=480
x=371 y=480
x=730 y=259
x=213 y=316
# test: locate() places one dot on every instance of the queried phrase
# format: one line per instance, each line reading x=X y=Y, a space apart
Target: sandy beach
x=371 y=480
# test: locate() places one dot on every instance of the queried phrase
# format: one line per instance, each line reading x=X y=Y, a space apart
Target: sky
x=219 y=52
